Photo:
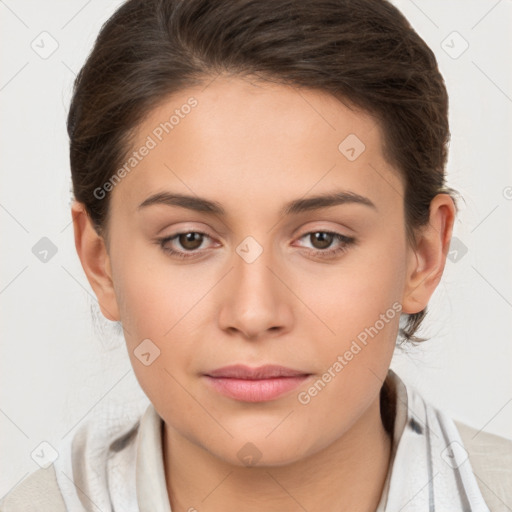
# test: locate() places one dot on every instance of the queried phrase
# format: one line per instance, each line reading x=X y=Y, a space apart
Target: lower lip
x=260 y=390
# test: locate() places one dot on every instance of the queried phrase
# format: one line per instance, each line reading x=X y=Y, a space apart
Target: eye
x=323 y=240
x=191 y=241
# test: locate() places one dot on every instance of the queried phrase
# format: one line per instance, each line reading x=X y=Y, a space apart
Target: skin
x=253 y=147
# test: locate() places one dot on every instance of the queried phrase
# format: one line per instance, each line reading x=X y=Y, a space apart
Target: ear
x=95 y=260
x=427 y=260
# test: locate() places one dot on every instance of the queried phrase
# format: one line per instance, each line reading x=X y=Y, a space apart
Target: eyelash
x=346 y=241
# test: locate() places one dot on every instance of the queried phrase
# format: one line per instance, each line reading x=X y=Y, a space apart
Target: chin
x=261 y=452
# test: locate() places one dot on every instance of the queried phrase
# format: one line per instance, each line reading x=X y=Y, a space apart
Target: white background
x=57 y=365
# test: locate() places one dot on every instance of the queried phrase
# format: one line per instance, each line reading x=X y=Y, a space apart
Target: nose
x=256 y=304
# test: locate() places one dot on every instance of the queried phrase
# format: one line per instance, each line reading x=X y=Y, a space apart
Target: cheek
x=351 y=296
x=361 y=308
x=157 y=330
x=359 y=305
x=154 y=293
x=165 y=303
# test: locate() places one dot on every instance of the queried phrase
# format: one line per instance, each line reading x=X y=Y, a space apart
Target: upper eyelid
x=338 y=237
x=176 y=235
x=202 y=232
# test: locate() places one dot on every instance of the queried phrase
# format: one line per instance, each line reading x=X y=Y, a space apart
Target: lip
x=259 y=384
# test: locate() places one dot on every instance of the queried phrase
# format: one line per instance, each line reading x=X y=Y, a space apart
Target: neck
x=347 y=475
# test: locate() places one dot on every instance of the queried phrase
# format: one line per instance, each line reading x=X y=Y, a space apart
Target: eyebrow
x=294 y=207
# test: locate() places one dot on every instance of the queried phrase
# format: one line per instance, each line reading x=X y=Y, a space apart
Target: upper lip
x=269 y=371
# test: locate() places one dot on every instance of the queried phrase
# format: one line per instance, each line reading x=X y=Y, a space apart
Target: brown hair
x=363 y=52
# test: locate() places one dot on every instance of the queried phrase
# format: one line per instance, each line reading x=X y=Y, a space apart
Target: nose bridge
x=252 y=273
x=255 y=301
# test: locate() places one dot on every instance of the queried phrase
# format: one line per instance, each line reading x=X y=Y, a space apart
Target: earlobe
x=427 y=261
x=95 y=260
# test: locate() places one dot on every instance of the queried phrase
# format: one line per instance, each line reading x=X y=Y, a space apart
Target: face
x=261 y=274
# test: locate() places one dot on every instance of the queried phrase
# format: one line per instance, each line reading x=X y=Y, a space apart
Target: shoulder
x=490 y=457
x=100 y=455
x=38 y=492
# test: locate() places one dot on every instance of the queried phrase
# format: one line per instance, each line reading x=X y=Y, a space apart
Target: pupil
x=189 y=240
x=324 y=239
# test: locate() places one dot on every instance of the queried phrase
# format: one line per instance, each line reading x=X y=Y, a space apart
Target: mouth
x=260 y=384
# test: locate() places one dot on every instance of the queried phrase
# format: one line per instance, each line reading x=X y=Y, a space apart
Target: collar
x=121 y=467
x=150 y=475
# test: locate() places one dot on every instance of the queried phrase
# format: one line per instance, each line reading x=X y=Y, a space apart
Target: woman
x=260 y=198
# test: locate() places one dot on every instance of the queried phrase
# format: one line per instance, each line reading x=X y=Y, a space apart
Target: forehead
x=237 y=134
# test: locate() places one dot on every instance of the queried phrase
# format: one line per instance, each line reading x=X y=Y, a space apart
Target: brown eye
x=183 y=245
x=321 y=239
x=190 y=241
x=323 y=246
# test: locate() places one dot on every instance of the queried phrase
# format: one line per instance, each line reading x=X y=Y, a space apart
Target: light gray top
x=429 y=468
